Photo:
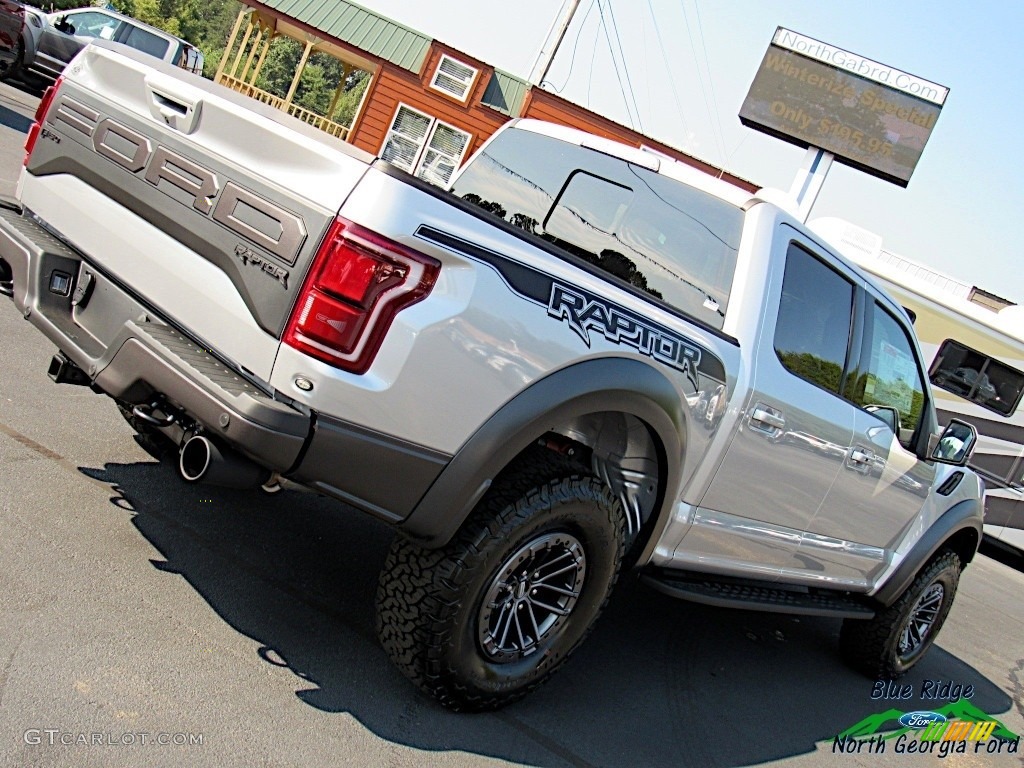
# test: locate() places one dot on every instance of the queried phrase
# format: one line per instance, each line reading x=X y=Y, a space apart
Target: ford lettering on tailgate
x=245 y=213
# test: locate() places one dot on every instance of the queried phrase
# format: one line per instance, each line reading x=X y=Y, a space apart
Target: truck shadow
x=659 y=683
x=12 y=119
x=1003 y=553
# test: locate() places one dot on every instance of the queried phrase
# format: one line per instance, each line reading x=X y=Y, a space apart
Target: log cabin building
x=427 y=106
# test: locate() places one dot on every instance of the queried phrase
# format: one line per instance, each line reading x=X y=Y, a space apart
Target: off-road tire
x=432 y=618
x=873 y=647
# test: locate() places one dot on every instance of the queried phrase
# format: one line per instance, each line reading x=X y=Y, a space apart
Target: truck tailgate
x=207 y=205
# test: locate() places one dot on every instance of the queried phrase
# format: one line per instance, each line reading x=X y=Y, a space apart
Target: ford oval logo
x=921 y=719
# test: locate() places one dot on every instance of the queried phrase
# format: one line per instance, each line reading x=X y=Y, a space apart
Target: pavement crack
x=46 y=453
x=543 y=740
x=6 y=671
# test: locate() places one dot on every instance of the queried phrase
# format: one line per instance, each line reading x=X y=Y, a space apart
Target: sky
x=689 y=63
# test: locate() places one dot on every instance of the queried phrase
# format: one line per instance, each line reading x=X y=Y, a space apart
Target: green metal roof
x=505 y=93
x=359 y=27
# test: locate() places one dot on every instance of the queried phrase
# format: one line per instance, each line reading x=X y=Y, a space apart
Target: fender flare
x=964 y=516
x=619 y=385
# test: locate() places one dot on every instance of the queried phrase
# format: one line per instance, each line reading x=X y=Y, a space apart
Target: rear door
x=796 y=430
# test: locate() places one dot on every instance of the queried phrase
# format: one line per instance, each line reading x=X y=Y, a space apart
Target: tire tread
x=865 y=644
x=420 y=589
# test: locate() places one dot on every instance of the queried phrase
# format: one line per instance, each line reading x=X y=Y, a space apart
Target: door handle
x=175 y=104
x=766 y=419
x=860 y=456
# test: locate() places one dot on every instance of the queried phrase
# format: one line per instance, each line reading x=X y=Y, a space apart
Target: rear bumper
x=131 y=354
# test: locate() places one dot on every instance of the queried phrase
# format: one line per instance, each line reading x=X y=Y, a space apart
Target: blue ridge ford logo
x=921 y=719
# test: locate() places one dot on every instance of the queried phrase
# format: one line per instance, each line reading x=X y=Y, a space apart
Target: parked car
x=12 y=24
x=49 y=41
x=968 y=383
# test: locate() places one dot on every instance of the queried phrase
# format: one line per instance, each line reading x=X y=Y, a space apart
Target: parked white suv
x=50 y=41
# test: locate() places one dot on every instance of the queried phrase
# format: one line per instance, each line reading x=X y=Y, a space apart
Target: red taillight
x=41 y=110
x=358 y=282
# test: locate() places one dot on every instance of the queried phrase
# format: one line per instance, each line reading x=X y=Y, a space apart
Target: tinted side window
x=93 y=24
x=146 y=41
x=812 y=333
x=665 y=238
x=977 y=377
x=889 y=375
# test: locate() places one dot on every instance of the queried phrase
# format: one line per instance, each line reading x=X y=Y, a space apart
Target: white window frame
x=426 y=147
x=417 y=162
x=420 y=144
x=468 y=83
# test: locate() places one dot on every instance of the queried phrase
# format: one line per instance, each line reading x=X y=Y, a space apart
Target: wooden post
x=358 y=114
x=298 y=73
x=263 y=57
x=241 y=48
x=252 y=54
x=346 y=69
x=231 y=43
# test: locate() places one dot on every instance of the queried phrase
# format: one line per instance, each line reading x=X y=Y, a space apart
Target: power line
x=668 y=67
x=593 y=55
x=572 y=59
x=622 y=55
x=711 y=81
x=615 y=65
x=700 y=78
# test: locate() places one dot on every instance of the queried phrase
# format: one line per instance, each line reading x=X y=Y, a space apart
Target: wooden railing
x=312 y=118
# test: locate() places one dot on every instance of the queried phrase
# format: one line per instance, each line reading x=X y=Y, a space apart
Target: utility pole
x=554 y=37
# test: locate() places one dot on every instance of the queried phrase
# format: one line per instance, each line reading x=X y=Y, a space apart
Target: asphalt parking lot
x=147 y=622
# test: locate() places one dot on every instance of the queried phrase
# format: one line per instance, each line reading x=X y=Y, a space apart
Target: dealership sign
x=870 y=116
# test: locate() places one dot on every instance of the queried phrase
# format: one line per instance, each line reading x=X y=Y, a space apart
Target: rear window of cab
x=663 y=238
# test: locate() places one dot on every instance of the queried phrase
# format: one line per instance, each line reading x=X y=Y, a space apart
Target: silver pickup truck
x=579 y=359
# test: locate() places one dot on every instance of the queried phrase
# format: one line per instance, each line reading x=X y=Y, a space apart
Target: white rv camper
x=975 y=350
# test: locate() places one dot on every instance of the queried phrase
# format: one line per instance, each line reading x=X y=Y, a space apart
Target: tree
x=207 y=24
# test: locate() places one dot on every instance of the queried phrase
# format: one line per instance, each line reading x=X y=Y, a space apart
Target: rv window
x=977 y=377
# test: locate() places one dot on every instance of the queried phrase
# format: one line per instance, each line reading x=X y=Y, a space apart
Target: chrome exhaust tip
x=203 y=460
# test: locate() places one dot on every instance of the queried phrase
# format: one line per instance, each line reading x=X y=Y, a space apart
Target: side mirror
x=956 y=443
x=888 y=414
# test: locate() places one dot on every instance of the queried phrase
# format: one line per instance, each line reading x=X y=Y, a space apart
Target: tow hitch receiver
x=63 y=371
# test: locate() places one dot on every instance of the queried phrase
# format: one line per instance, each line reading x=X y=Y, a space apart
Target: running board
x=756 y=596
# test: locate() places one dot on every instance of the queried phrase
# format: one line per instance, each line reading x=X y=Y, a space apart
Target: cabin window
x=424 y=145
x=453 y=78
x=977 y=377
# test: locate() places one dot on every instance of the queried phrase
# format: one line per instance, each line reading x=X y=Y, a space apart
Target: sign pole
x=809 y=179
x=546 y=55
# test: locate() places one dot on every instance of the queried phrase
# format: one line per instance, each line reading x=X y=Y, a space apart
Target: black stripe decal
x=586 y=312
x=998 y=471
